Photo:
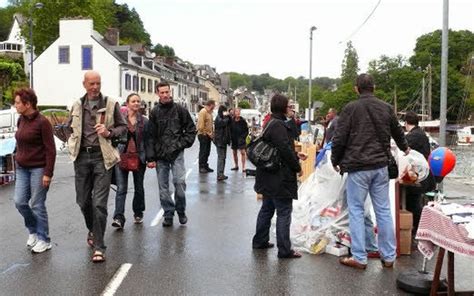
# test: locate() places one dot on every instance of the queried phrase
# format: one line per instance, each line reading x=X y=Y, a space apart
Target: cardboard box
x=405 y=241
x=337 y=250
x=406 y=219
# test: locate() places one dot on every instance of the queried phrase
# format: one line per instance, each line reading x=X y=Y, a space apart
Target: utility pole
x=444 y=75
x=423 y=99
x=395 y=100
x=310 y=69
x=429 y=90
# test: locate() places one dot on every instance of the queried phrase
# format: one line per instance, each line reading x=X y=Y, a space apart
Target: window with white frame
x=135 y=83
x=128 y=81
x=86 y=57
x=150 y=85
x=142 y=84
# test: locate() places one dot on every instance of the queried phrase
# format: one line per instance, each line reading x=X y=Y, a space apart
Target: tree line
x=397 y=78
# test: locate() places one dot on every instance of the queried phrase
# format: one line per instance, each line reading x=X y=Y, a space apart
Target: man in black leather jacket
x=171 y=130
x=360 y=147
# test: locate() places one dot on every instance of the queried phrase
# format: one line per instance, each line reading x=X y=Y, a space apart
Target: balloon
x=442 y=161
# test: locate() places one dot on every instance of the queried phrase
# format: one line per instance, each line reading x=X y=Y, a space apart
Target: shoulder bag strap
x=379 y=137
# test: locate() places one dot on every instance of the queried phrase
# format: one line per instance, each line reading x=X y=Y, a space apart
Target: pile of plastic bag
x=320 y=215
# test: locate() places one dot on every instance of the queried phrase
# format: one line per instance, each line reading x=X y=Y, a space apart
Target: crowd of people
x=107 y=143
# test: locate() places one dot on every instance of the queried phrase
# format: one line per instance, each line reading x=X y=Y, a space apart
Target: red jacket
x=35 y=143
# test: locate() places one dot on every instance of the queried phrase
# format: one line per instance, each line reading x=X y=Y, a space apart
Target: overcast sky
x=272 y=36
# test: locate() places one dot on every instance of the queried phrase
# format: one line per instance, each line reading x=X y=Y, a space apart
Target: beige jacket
x=205 y=125
x=110 y=154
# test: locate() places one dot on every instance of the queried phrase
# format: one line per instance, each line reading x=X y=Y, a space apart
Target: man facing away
x=360 y=147
x=94 y=120
x=171 y=130
x=205 y=131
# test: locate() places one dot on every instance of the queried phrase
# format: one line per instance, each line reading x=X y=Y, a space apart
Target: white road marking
x=160 y=213
x=117 y=279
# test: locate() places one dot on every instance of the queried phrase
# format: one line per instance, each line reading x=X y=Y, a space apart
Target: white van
x=8 y=120
x=248 y=114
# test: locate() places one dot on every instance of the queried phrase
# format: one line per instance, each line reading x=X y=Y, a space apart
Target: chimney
x=112 y=36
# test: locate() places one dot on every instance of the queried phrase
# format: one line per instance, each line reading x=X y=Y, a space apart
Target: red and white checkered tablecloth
x=437 y=229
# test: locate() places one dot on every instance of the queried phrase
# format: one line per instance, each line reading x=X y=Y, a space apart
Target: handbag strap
x=379 y=137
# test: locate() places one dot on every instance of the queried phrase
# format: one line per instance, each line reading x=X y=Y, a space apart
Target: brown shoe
x=387 y=264
x=351 y=262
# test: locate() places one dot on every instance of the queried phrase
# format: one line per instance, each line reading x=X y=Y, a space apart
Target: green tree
x=244 y=104
x=46 y=19
x=350 y=64
x=6 y=21
x=461 y=50
x=130 y=25
x=163 y=51
x=11 y=74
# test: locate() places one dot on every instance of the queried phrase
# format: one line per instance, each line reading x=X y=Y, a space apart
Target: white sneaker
x=32 y=240
x=41 y=246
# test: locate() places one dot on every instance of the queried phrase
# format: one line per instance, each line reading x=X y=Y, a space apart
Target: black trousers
x=92 y=193
x=204 y=150
x=283 y=209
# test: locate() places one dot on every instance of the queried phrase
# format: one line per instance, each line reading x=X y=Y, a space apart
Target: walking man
x=171 y=130
x=357 y=150
x=95 y=119
x=205 y=135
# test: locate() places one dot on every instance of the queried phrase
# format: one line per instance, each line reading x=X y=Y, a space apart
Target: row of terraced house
x=59 y=70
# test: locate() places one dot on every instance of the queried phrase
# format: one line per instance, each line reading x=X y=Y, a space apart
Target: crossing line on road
x=160 y=213
x=117 y=280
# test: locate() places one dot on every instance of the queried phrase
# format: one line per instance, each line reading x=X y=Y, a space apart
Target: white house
x=14 y=46
x=59 y=70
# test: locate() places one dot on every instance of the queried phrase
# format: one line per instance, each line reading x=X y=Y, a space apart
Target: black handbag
x=392 y=164
x=262 y=154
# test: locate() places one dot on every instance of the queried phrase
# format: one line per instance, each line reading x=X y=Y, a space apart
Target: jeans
x=283 y=208
x=92 y=192
x=179 y=181
x=370 y=242
x=29 y=189
x=375 y=182
x=221 y=155
x=204 y=150
x=138 y=203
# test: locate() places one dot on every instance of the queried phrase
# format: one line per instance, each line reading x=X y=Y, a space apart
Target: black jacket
x=140 y=136
x=417 y=140
x=283 y=182
x=295 y=131
x=170 y=130
x=222 y=130
x=239 y=132
x=356 y=144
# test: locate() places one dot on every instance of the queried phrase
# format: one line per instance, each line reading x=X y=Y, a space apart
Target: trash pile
x=320 y=221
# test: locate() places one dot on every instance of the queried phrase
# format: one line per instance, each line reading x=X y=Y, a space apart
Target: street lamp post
x=37 y=5
x=313 y=28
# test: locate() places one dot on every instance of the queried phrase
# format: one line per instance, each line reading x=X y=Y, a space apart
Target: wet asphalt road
x=211 y=255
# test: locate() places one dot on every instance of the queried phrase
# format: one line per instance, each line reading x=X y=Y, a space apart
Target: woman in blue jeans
x=136 y=136
x=35 y=157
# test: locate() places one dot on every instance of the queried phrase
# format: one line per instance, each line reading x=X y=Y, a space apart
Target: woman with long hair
x=136 y=137
x=278 y=187
x=239 y=133
x=35 y=158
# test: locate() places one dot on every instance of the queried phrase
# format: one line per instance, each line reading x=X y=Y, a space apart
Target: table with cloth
x=437 y=229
